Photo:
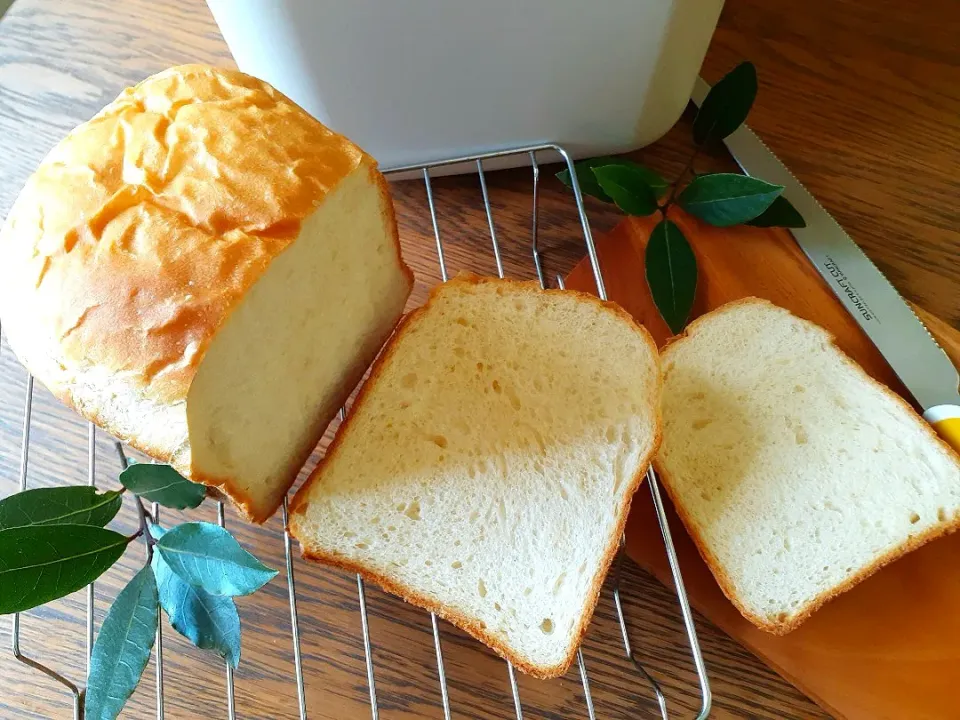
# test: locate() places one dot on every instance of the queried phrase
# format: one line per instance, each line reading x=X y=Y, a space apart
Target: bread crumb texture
x=796 y=473
x=487 y=470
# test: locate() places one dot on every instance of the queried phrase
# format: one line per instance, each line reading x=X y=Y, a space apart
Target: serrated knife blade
x=863 y=290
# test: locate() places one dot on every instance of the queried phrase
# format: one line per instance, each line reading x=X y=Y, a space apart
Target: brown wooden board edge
x=620 y=254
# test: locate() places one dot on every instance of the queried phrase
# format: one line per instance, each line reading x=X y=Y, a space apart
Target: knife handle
x=946 y=421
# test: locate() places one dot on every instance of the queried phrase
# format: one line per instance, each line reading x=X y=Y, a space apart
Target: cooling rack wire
x=532 y=154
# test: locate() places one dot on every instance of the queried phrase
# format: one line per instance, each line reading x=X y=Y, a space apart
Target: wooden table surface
x=861 y=99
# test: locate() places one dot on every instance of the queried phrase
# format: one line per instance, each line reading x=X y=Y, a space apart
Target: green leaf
x=122 y=648
x=726 y=105
x=162 y=484
x=671 y=273
x=40 y=563
x=77 y=505
x=726 y=199
x=781 y=213
x=590 y=186
x=206 y=556
x=628 y=188
x=210 y=622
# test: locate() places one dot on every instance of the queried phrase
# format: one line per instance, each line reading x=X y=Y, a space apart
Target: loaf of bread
x=205 y=271
x=487 y=467
x=795 y=473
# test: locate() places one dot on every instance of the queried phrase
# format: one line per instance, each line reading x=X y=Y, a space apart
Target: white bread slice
x=487 y=467
x=796 y=474
x=206 y=271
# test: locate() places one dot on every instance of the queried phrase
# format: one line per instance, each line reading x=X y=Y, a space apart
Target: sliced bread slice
x=796 y=474
x=486 y=470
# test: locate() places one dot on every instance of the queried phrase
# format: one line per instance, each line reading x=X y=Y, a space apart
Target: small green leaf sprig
x=720 y=199
x=54 y=541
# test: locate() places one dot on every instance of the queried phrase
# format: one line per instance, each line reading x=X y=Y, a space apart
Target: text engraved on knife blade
x=849 y=289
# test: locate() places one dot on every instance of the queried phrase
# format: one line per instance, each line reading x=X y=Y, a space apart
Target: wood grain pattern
x=887 y=176
x=861 y=100
x=889 y=648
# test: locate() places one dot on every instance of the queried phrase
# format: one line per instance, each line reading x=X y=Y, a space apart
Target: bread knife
x=868 y=296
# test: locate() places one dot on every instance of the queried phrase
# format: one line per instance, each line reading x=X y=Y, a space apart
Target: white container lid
x=412 y=81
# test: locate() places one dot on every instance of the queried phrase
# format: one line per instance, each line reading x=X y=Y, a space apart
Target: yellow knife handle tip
x=946 y=421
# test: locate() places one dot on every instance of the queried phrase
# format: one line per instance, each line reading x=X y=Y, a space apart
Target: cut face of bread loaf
x=487 y=468
x=796 y=474
x=205 y=271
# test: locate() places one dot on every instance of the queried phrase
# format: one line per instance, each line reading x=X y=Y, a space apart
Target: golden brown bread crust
x=141 y=231
x=712 y=562
x=391 y=222
x=452 y=615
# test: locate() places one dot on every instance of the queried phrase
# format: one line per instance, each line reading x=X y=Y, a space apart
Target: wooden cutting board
x=889 y=648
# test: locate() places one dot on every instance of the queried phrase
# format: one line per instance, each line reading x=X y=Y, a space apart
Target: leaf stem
x=144 y=529
x=676 y=183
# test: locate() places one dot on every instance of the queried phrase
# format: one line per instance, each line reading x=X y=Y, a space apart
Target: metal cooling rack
x=531 y=154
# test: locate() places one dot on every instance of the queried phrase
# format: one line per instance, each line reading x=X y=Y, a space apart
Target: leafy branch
x=53 y=541
x=719 y=199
